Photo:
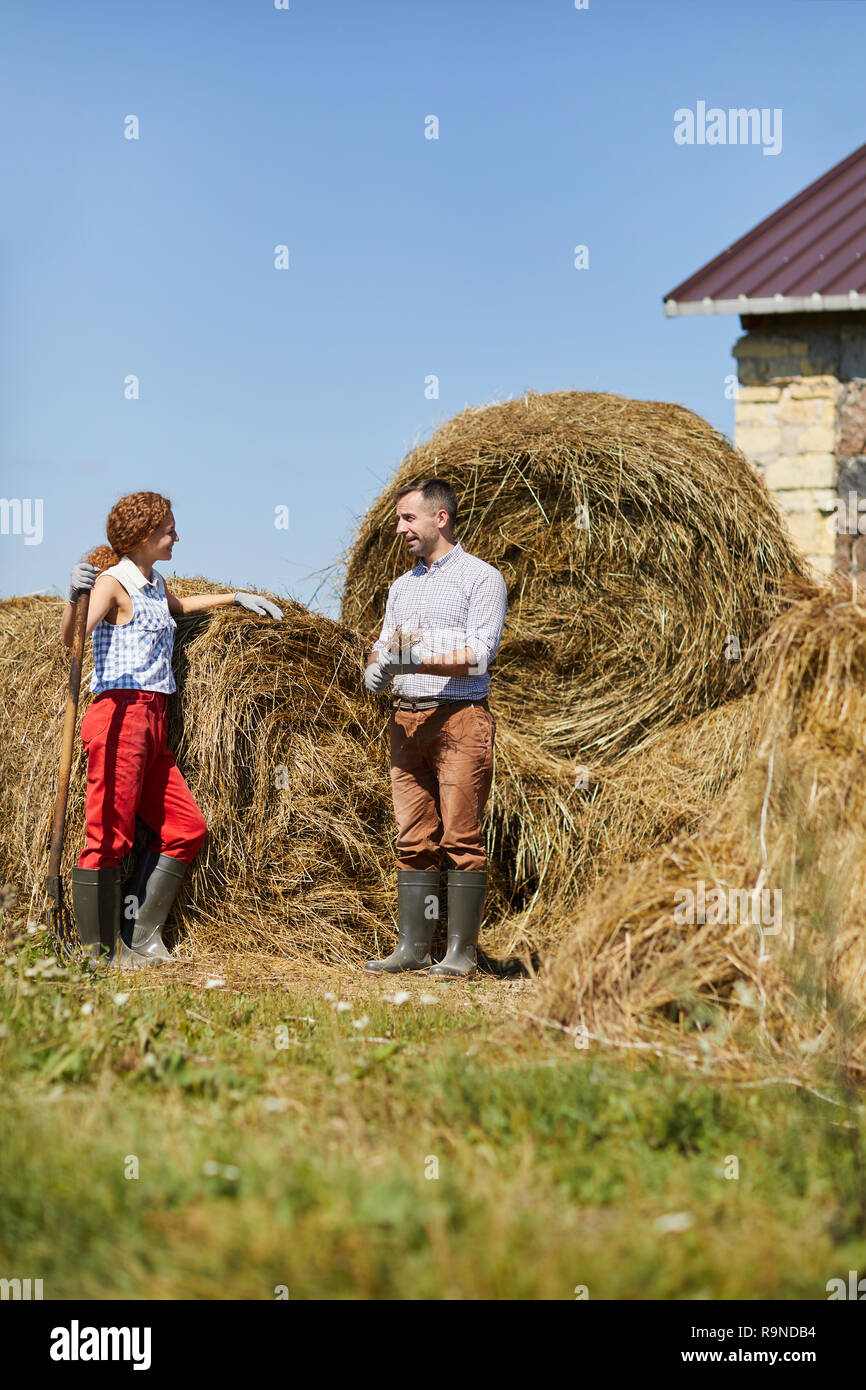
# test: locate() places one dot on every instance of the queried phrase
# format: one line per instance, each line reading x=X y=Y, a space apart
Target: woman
x=130 y=768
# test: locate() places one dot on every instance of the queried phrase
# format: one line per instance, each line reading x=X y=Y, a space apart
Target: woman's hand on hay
x=262 y=607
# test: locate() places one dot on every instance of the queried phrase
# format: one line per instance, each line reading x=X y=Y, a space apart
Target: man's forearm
x=461 y=662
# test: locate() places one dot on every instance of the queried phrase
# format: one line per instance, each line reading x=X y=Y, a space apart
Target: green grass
x=306 y=1166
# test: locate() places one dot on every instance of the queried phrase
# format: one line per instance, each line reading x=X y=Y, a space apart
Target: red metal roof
x=813 y=246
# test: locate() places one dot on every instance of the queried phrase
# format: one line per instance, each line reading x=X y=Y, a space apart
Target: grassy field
x=314 y=1138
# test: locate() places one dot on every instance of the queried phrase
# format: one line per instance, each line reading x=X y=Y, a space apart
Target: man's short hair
x=436 y=493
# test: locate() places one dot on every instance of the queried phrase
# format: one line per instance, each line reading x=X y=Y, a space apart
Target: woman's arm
x=103 y=603
x=196 y=603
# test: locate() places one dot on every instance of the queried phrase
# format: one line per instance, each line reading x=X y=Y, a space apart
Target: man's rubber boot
x=141 y=942
x=466 y=890
x=416 y=922
x=96 y=904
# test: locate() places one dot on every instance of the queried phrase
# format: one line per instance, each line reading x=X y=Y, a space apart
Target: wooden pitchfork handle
x=58 y=823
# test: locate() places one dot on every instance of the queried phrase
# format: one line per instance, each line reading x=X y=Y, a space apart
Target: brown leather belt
x=414 y=705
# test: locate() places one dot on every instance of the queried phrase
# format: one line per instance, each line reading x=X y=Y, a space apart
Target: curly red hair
x=130 y=521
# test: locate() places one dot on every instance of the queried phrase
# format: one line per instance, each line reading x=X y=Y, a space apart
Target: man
x=443 y=625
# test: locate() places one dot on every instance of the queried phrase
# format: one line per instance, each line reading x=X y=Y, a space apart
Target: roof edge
x=774 y=304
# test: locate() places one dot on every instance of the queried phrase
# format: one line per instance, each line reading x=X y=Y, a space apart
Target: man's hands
x=409 y=653
x=83 y=577
x=403 y=658
x=410 y=656
x=377 y=678
x=262 y=607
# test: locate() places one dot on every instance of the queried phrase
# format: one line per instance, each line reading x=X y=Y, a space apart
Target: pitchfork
x=60 y=923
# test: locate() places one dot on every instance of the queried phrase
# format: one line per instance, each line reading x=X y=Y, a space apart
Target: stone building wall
x=851 y=478
x=800 y=418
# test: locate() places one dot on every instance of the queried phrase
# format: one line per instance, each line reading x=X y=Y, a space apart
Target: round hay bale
x=785 y=972
x=642 y=555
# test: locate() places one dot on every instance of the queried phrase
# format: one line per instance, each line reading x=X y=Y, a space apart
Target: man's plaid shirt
x=458 y=601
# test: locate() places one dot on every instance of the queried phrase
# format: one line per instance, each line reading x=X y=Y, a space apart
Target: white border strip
x=775 y=304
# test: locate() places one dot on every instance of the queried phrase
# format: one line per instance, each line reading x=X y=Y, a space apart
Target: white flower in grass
x=210 y=1169
x=428 y=999
x=120 y=999
x=361 y=1022
x=673 y=1222
x=87 y=1008
x=343 y=1007
x=401 y=997
x=215 y=982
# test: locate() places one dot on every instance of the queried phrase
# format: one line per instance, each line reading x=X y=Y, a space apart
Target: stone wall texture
x=800 y=418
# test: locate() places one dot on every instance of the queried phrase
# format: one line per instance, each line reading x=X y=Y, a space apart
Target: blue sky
x=408 y=257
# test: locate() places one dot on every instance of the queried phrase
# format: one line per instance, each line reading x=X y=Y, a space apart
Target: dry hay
x=618 y=631
x=650 y=795
x=283 y=755
x=794 y=822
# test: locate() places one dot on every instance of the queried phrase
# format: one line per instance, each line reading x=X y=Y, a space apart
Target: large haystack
x=281 y=749
x=643 y=557
x=795 y=824
x=287 y=757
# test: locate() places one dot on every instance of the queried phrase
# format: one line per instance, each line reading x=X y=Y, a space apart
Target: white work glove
x=83 y=577
x=262 y=607
x=376 y=678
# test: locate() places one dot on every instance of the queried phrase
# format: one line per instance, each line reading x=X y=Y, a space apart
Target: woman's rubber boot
x=135 y=890
x=142 y=944
x=466 y=890
x=417 y=914
x=96 y=904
